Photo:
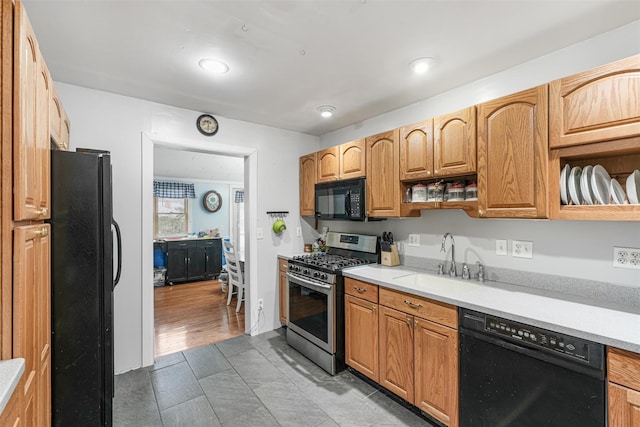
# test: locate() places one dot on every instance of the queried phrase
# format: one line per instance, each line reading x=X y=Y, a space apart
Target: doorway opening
x=167 y=301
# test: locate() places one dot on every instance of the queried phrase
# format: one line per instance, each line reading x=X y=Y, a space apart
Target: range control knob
x=305 y=271
x=316 y=274
x=323 y=276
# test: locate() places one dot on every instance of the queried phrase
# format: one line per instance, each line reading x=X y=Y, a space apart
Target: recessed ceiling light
x=213 y=66
x=422 y=65
x=326 y=111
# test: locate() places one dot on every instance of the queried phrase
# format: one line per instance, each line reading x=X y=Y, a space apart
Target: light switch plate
x=414 y=240
x=501 y=247
x=259 y=233
x=298 y=231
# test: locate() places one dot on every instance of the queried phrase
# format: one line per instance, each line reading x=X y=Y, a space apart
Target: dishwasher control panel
x=568 y=345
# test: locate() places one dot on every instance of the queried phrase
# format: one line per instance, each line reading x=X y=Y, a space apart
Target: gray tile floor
x=250 y=381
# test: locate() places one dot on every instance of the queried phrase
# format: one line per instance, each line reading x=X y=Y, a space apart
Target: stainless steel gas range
x=315 y=297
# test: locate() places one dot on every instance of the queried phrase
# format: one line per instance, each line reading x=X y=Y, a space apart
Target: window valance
x=173 y=190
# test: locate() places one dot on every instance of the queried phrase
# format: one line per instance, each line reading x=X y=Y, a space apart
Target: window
x=171 y=217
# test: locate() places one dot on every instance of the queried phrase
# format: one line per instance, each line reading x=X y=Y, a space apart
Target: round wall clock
x=207 y=124
x=212 y=201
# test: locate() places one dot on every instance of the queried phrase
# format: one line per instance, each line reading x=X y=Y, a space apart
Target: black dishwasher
x=516 y=375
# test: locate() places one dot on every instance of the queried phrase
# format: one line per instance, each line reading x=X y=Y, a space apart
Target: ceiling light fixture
x=213 y=65
x=422 y=65
x=326 y=111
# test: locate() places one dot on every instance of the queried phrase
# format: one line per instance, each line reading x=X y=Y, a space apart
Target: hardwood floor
x=194 y=314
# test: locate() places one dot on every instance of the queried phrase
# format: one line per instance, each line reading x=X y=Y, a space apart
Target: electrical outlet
x=626 y=258
x=522 y=249
x=414 y=240
x=260 y=303
x=501 y=247
x=259 y=233
x=298 y=231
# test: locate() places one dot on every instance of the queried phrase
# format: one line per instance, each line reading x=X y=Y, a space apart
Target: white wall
x=581 y=249
x=116 y=123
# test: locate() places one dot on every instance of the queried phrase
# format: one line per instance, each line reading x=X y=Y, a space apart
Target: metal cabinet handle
x=361 y=290
x=42 y=212
x=408 y=321
x=373 y=307
x=42 y=233
x=412 y=304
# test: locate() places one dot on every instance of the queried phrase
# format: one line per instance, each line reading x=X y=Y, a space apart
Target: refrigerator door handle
x=119 y=246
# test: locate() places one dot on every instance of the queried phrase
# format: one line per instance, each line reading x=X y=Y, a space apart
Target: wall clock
x=207 y=124
x=212 y=201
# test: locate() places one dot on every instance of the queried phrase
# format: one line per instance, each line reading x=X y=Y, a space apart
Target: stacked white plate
x=633 y=187
x=592 y=185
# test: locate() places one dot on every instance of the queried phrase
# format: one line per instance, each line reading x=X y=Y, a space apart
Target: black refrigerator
x=82 y=283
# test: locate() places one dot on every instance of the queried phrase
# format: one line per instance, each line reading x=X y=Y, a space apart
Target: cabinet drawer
x=438 y=312
x=363 y=290
x=282 y=264
x=624 y=367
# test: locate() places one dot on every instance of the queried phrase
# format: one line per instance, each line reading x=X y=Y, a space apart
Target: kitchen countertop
x=606 y=323
x=10 y=374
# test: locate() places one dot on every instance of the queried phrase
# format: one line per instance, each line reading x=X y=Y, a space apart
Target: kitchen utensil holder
x=278 y=214
x=391 y=258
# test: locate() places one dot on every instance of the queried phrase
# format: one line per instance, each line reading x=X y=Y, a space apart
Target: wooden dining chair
x=235 y=275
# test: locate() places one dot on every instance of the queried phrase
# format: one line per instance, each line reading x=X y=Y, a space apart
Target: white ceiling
x=288 y=57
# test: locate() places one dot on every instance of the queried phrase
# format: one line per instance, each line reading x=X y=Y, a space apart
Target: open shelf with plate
x=619 y=158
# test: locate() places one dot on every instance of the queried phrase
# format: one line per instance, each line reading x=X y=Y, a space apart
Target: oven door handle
x=316 y=286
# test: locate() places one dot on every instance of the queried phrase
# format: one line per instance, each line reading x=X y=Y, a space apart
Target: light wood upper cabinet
x=623 y=388
x=597 y=105
x=513 y=155
x=383 y=174
x=328 y=164
x=352 y=159
x=58 y=121
x=416 y=151
x=343 y=161
x=31 y=124
x=307 y=185
x=454 y=149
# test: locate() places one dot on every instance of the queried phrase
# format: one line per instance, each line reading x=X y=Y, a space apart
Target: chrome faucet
x=452 y=269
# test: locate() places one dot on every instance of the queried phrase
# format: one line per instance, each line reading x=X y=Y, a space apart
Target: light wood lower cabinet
x=408 y=344
x=11 y=416
x=623 y=369
x=31 y=331
x=396 y=352
x=282 y=289
x=361 y=336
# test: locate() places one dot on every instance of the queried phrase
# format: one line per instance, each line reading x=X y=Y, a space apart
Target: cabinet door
x=177 y=261
x=55 y=117
x=307 y=185
x=436 y=371
x=454 y=149
x=352 y=159
x=282 y=290
x=11 y=416
x=328 y=167
x=31 y=329
x=624 y=406
x=65 y=131
x=396 y=352
x=212 y=256
x=512 y=155
x=361 y=336
x=383 y=175
x=26 y=159
x=416 y=150
x=195 y=261
x=596 y=105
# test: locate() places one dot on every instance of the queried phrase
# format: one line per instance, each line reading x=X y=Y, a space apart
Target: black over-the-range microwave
x=345 y=199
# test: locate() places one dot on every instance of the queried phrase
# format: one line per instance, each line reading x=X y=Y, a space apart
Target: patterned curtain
x=173 y=190
x=239 y=197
